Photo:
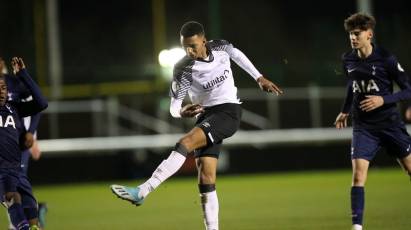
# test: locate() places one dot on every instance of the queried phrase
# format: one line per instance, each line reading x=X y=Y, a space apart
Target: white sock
x=209 y=203
x=357 y=227
x=166 y=169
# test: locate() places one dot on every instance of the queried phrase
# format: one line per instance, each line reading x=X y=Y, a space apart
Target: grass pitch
x=283 y=201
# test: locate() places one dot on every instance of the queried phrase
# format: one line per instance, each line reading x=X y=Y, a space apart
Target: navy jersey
x=17 y=92
x=10 y=123
x=374 y=75
x=10 y=126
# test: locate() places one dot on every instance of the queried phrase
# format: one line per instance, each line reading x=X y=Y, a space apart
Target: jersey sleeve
x=182 y=80
x=38 y=103
x=401 y=79
x=346 y=106
x=34 y=123
x=237 y=56
x=175 y=107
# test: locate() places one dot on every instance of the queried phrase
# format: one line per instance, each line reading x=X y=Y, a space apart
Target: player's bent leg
x=15 y=210
x=207 y=168
x=168 y=167
x=360 y=170
x=192 y=140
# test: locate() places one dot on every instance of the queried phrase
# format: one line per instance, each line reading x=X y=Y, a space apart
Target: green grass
x=304 y=200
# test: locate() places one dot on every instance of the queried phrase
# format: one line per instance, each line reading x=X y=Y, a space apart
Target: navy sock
x=357 y=204
x=31 y=213
x=17 y=217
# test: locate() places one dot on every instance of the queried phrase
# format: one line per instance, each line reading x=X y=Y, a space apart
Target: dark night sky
x=113 y=40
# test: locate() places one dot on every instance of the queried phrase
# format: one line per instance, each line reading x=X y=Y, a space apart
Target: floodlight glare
x=167 y=58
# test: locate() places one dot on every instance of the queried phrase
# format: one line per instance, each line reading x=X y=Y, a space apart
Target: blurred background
x=98 y=64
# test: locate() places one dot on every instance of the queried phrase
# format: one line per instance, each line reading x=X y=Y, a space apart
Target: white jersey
x=210 y=82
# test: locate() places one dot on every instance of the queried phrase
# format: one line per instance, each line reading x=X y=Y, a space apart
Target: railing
x=111 y=110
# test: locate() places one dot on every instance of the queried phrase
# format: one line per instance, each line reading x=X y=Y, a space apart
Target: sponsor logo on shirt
x=7 y=122
x=364 y=86
x=216 y=81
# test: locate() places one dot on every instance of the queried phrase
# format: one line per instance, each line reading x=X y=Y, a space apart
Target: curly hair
x=360 y=21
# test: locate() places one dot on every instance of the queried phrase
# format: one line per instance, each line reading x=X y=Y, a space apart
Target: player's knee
x=11 y=198
x=193 y=140
x=207 y=178
x=359 y=179
x=181 y=148
x=15 y=196
x=188 y=143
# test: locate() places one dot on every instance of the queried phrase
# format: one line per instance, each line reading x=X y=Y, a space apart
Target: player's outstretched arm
x=341 y=120
x=268 y=86
x=39 y=102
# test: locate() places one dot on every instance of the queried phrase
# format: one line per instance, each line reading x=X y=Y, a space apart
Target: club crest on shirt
x=373 y=70
x=9 y=96
x=224 y=60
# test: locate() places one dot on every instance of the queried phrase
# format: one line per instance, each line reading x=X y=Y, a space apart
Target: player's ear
x=370 y=34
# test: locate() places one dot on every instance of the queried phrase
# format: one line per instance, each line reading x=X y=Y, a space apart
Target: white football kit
x=209 y=82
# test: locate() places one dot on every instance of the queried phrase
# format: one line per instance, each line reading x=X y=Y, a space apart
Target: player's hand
x=28 y=140
x=190 y=110
x=35 y=151
x=17 y=64
x=268 y=86
x=341 y=121
x=371 y=102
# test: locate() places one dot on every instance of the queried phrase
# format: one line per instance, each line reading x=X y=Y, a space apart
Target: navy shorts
x=14 y=180
x=9 y=180
x=218 y=123
x=366 y=143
